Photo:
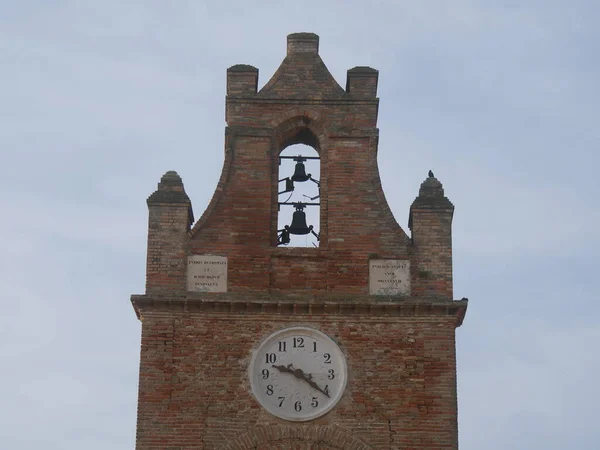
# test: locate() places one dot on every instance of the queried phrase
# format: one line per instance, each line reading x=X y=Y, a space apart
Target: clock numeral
x=315 y=402
x=281 y=399
x=265 y=374
x=270 y=389
x=326 y=390
x=331 y=375
x=327 y=357
x=271 y=358
x=298 y=406
x=314 y=346
x=298 y=342
x=282 y=346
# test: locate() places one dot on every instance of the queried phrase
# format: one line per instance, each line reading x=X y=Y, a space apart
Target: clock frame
x=298 y=373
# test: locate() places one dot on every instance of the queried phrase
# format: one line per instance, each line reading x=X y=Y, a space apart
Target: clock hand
x=283 y=368
x=299 y=373
x=316 y=386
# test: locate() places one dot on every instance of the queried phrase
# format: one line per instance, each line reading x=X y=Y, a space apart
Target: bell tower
x=251 y=342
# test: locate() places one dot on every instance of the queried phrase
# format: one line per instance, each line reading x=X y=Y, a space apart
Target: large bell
x=300 y=172
x=298 y=225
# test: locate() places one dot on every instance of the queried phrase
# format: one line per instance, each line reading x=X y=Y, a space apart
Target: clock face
x=298 y=373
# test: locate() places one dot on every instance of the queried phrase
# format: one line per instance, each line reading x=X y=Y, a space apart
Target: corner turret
x=242 y=79
x=169 y=218
x=430 y=221
x=361 y=81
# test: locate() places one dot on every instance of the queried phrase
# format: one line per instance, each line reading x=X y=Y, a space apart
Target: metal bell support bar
x=298 y=158
x=295 y=203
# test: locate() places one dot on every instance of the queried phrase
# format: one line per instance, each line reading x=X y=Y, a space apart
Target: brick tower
x=238 y=329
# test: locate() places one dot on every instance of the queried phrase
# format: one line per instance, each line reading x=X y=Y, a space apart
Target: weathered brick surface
x=194 y=386
x=194 y=390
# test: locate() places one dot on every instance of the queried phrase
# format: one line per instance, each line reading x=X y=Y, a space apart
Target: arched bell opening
x=299 y=196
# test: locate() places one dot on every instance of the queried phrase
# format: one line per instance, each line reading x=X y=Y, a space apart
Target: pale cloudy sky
x=100 y=98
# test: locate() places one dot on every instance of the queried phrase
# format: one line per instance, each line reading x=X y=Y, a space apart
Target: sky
x=100 y=98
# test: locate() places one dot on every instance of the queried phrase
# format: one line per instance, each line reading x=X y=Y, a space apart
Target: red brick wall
x=194 y=386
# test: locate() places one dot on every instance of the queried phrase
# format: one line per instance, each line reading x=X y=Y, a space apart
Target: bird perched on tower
x=430 y=174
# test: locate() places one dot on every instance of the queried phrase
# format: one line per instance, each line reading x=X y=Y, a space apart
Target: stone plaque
x=389 y=277
x=207 y=273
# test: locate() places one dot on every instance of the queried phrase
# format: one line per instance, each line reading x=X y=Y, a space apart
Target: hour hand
x=283 y=368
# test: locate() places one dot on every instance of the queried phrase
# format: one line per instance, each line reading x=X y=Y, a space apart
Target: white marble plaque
x=207 y=273
x=389 y=277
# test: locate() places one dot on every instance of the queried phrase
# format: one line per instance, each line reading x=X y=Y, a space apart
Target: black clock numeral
x=270 y=389
x=298 y=342
x=298 y=406
x=331 y=375
x=271 y=358
x=281 y=399
x=326 y=390
x=282 y=346
x=265 y=374
x=314 y=402
x=327 y=357
x=314 y=346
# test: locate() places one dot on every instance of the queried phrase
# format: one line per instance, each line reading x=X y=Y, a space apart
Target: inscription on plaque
x=207 y=273
x=389 y=277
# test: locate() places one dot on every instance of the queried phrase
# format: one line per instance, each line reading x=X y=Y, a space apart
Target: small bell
x=289 y=185
x=300 y=173
x=298 y=225
x=284 y=237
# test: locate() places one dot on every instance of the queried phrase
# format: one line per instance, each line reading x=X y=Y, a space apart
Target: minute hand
x=299 y=373
x=316 y=386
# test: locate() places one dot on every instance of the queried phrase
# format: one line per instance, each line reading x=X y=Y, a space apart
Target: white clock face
x=298 y=374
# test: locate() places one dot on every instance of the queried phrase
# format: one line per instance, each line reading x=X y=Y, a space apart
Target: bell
x=298 y=225
x=289 y=185
x=300 y=173
x=284 y=237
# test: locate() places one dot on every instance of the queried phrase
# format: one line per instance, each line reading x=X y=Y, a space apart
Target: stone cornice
x=252 y=305
x=332 y=132
x=252 y=98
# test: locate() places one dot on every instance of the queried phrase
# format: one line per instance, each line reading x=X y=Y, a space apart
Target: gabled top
x=302 y=43
x=302 y=74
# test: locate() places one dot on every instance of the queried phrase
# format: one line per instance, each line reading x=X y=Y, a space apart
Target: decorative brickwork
x=319 y=437
x=194 y=389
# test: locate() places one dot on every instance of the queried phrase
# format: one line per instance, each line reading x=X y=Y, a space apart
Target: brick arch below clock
x=295 y=444
x=277 y=437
